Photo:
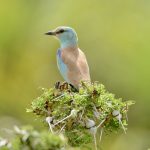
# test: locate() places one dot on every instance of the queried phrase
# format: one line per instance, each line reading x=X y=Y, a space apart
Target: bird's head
x=66 y=35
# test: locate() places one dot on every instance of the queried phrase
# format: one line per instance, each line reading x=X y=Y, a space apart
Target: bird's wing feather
x=61 y=65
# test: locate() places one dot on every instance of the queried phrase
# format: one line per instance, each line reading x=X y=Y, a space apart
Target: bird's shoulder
x=65 y=54
x=60 y=62
x=61 y=55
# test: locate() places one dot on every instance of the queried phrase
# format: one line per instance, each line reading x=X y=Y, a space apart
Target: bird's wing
x=61 y=65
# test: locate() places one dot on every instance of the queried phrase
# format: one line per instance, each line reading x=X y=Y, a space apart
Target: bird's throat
x=65 y=44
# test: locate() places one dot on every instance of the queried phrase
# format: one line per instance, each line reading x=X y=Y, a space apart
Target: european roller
x=71 y=61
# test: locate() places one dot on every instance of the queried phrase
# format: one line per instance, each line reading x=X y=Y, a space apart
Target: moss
x=92 y=103
x=27 y=138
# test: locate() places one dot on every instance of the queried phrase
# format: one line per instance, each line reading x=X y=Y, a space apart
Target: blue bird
x=71 y=61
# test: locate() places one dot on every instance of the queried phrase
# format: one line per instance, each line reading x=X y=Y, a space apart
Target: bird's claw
x=65 y=86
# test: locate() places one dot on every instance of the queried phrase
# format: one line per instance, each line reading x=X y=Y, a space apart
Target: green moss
x=94 y=107
x=27 y=138
x=78 y=137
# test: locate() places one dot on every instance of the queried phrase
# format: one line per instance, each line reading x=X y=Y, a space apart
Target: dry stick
x=62 y=128
x=48 y=120
x=122 y=126
x=101 y=123
x=101 y=133
x=62 y=120
x=94 y=131
x=50 y=127
x=59 y=96
x=73 y=112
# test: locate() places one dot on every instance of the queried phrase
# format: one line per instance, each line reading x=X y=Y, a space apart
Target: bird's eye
x=60 y=31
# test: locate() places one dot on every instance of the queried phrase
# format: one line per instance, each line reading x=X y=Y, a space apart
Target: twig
x=50 y=127
x=48 y=120
x=122 y=126
x=101 y=133
x=59 y=96
x=62 y=128
x=73 y=113
x=101 y=123
x=62 y=120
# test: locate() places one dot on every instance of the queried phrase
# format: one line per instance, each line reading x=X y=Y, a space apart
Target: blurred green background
x=115 y=36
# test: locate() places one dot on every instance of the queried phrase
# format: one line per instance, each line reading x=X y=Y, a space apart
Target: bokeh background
x=115 y=36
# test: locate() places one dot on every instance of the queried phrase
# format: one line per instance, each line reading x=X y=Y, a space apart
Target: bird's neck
x=72 y=43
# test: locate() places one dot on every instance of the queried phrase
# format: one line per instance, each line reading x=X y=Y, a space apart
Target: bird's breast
x=76 y=63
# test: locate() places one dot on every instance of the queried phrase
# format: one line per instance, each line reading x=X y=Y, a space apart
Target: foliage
x=28 y=138
x=80 y=114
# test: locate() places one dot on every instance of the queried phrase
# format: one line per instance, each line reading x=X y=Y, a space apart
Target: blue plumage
x=61 y=66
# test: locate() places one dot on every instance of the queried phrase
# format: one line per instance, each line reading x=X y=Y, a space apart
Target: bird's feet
x=65 y=86
x=73 y=89
x=62 y=86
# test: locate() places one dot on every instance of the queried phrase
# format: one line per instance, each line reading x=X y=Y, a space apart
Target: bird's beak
x=50 y=33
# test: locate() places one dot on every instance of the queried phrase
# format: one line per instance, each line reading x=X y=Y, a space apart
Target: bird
x=71 y=60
